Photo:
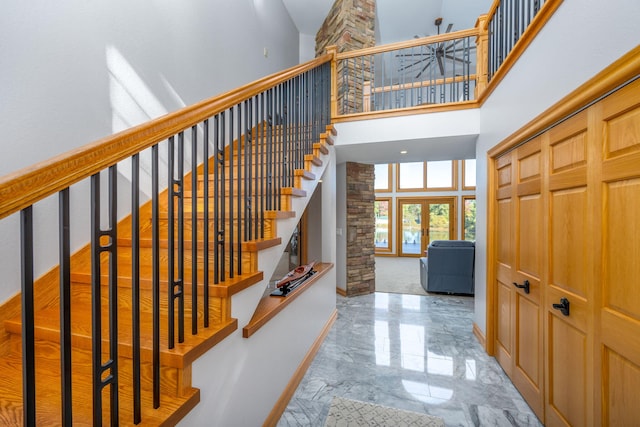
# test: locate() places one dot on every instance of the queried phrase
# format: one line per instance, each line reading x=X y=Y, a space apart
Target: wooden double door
x=566 y=251
x=423 y=220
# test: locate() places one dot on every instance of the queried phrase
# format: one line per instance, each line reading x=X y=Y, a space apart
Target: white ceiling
x=308 y=15
x=397 y=20
x=439 y=148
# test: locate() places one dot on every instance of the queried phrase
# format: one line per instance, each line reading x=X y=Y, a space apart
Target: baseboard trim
x=480 y=336
x=341 y=292
x=290 y=389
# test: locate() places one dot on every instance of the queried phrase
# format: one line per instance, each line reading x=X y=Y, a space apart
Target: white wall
x=241 y=379
x=307 y=47
x=430 y=136
x=582 y=38
x=74 y=71
x=341 y=225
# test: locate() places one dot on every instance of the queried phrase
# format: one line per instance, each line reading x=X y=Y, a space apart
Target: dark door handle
x=563 y=306
x=525 y=286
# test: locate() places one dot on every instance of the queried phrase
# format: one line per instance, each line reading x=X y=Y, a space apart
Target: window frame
x=389 y=188
x=454 y=176
x=390 y=223
x=463 y=217
x=411 y=190
x=464 y=187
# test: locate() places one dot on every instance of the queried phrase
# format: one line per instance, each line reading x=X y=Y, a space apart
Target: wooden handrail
x=472 y=32
x=425 y=83
x=27 y=186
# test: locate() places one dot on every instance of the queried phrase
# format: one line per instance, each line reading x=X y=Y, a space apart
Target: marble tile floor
x=410 y=352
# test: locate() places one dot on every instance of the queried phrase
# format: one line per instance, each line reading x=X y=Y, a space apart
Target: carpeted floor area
x=353 y=413
x=398 y=275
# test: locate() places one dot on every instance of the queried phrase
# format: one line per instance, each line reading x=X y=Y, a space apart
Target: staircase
x=180 y=242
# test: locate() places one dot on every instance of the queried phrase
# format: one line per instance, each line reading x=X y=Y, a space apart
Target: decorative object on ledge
x=293 y=279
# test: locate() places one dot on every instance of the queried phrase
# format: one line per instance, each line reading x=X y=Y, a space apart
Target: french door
x=423 y=220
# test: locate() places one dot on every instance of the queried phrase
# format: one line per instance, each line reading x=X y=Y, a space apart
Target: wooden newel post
x=333 y=51
x=482 y=52
x=366 y=97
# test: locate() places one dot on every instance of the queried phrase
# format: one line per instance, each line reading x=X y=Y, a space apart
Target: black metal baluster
x=28 y=326
x=171 y=243
x=384 y=82
x=285 y=134
x=295 y=140
x=97 y=248
x=248 y=165
x=194 y=229
x=270 y=119
x=263 y=167
x=176 y=257
x=155 y=284
x=280 y=145
x=65 y=305
x=467 y=67
x=239 y=195
x=230 y=234
x=113 y=293
x=219 y=198
x=178 y=288
x=205 y=222
x=135 y=284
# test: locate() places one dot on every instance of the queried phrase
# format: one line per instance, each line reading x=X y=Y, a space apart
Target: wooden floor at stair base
x=48 y=401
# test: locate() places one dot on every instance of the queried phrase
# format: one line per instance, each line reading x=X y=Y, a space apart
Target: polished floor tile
x=410 y=352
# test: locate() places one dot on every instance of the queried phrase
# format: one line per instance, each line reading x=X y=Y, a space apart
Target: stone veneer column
x=361 y=260
x=350 y=25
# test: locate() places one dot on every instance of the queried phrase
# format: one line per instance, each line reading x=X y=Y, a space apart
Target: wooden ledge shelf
x=269 y=306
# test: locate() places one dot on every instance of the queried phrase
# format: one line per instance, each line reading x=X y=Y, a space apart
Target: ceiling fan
x=435 y=53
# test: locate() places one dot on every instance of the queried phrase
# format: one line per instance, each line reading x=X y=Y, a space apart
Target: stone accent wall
x=350 y=25
x=361 y=262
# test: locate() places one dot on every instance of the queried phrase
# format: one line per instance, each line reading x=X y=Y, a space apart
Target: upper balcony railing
x=427 y=71
x=458 y=69
x=508 y=21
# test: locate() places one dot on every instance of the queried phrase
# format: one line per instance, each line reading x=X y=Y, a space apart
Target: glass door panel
x=411 y=223
x=382 y=211
x=439 y=222
x=422 y=221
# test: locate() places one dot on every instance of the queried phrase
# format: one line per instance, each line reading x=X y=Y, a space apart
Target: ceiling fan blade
x=440 y=64
x=423 y=70
x=456 y=59
x=413 y=64
x=407 y=55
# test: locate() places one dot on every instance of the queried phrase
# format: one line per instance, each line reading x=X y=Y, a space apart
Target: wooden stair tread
x=172 y=407
x=305 y=174
x=81 y=272
x=182 y=355
x=253 y=245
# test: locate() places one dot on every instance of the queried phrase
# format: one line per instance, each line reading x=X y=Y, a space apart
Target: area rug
x=352 y=413
x=398 y=275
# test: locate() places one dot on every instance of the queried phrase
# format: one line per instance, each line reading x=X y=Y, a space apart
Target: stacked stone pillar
x=350 y=25
x=361 y=261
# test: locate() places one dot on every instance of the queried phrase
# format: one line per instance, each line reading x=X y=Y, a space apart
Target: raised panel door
x=504 y=318
x=569 y=335
x=528 y=361
x=618 y=120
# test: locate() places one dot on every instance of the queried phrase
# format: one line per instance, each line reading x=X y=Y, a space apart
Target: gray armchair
x=449 y=267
